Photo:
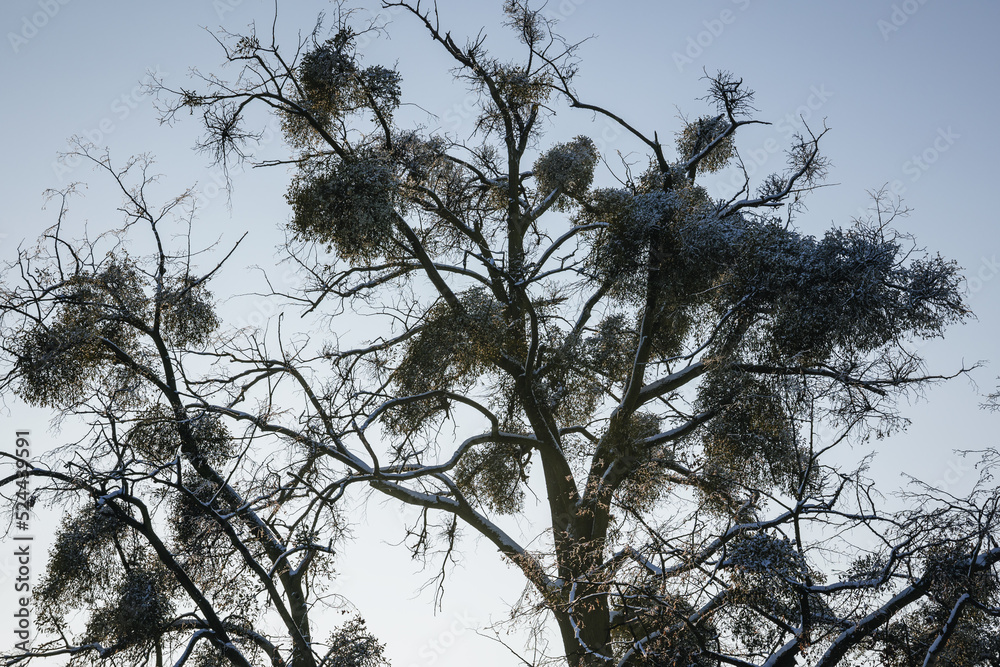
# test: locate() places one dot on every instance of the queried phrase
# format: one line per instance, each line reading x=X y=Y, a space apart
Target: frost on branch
x=348 y=204
x=608 y=351
x=449 y=353
x=77 y=567
x=419 y=159
x=493 y=475
x=530 y=26
x=763 y=571
x=645 y=483
x=659 y=619
x=620 y=252
x=333 y=85
x=56 y=360
x=762 y=567
x=804 y=156
x=567 y=168
x=848 y=291
x=916 y=635
x=138 y=610
x=520 y=91
x=652 y=223
x=154 y=436
x=187 y=311
x=353 y=645
x=677 y=233
x=752 y=442
x=698 y=135
x=578 y=367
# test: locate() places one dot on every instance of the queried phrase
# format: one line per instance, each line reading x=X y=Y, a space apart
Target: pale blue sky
x=907 y=86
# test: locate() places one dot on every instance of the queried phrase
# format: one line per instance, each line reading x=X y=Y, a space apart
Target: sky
x=906 y=87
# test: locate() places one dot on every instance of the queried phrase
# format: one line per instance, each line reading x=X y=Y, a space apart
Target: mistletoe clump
x=348 y=204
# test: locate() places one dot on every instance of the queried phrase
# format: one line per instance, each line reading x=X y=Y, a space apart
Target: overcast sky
x=908 y=88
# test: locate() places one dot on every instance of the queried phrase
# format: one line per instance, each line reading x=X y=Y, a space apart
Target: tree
x=176 y=544
x=676 y=372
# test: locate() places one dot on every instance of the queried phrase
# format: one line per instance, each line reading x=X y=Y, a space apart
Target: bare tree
x=674 y=371
x=181 y=538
